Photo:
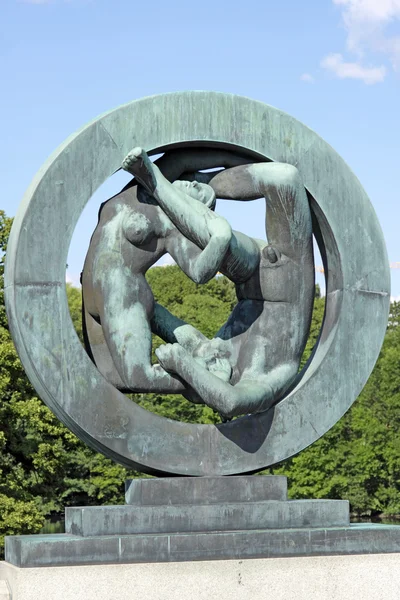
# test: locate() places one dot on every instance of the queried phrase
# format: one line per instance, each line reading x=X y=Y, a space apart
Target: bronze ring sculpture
x=351 y=243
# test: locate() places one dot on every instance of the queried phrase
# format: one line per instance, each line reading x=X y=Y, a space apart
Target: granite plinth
x=205 y=490
x=65 y=549
x=212 y=527
x=125 y=520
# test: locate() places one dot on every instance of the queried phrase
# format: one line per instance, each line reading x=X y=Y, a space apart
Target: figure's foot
x=169 y=355
x=220 y=367
x=138 y=163
x=132 y=160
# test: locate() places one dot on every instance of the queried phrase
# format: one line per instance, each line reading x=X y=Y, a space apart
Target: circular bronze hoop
x=357 y=299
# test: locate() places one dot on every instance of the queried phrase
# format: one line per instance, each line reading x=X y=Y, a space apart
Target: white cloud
x=370 y=10
x=307 y=78
x=367 y=22
x=352 y=70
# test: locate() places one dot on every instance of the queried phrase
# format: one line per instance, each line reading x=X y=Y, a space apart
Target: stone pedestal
x=198 y=519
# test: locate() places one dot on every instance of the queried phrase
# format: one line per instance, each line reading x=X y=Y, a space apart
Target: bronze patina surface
x=251 y=365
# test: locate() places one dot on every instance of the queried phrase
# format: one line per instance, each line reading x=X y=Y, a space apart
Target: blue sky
x=333 y=64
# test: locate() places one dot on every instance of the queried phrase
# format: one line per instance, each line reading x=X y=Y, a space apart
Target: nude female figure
x=255 y=356
x=132 y=233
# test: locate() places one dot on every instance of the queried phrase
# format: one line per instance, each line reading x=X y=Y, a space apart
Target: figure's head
x=198 y=191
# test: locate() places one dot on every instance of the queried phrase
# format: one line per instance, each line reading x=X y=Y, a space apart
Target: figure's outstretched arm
x=193 y=219
x=187 y=214
x=173 y=330
x=197 y=222
x=250 y=395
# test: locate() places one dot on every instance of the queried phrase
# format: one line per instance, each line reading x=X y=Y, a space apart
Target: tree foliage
x=43 y=466
x=359 y=458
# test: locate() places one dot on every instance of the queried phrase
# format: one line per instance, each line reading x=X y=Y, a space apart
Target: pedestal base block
x=65 y=549
x=198 y=519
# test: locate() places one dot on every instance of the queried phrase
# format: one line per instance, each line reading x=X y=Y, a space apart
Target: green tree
x=315 y=328
x=359 y=458
x=74 y=296
x=5 y=227
x=18 y=512
x=43 y=466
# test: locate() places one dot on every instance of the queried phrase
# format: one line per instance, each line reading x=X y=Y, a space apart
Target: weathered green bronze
x=289 y=411
x=255 y=356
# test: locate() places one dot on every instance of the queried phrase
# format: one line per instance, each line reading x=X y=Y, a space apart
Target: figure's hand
x=220 y=367
x=169 y=355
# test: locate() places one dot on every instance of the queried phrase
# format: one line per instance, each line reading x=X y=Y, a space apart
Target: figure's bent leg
x=193 y=219
x=248 y=396
x=288 y=218
x=125 y=323
x=97 y=348
x=188 y=214
x=176 y=164
x=173 y=330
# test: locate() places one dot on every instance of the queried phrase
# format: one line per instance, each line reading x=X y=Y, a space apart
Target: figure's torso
x=129 y=239
x=269 y=326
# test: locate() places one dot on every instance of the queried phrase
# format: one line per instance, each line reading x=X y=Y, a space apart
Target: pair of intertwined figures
x=169 y=208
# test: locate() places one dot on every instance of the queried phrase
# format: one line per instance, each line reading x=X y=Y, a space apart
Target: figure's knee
x=231 y=405
x=283 y=376
x=277 y=174
x=140 y=379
